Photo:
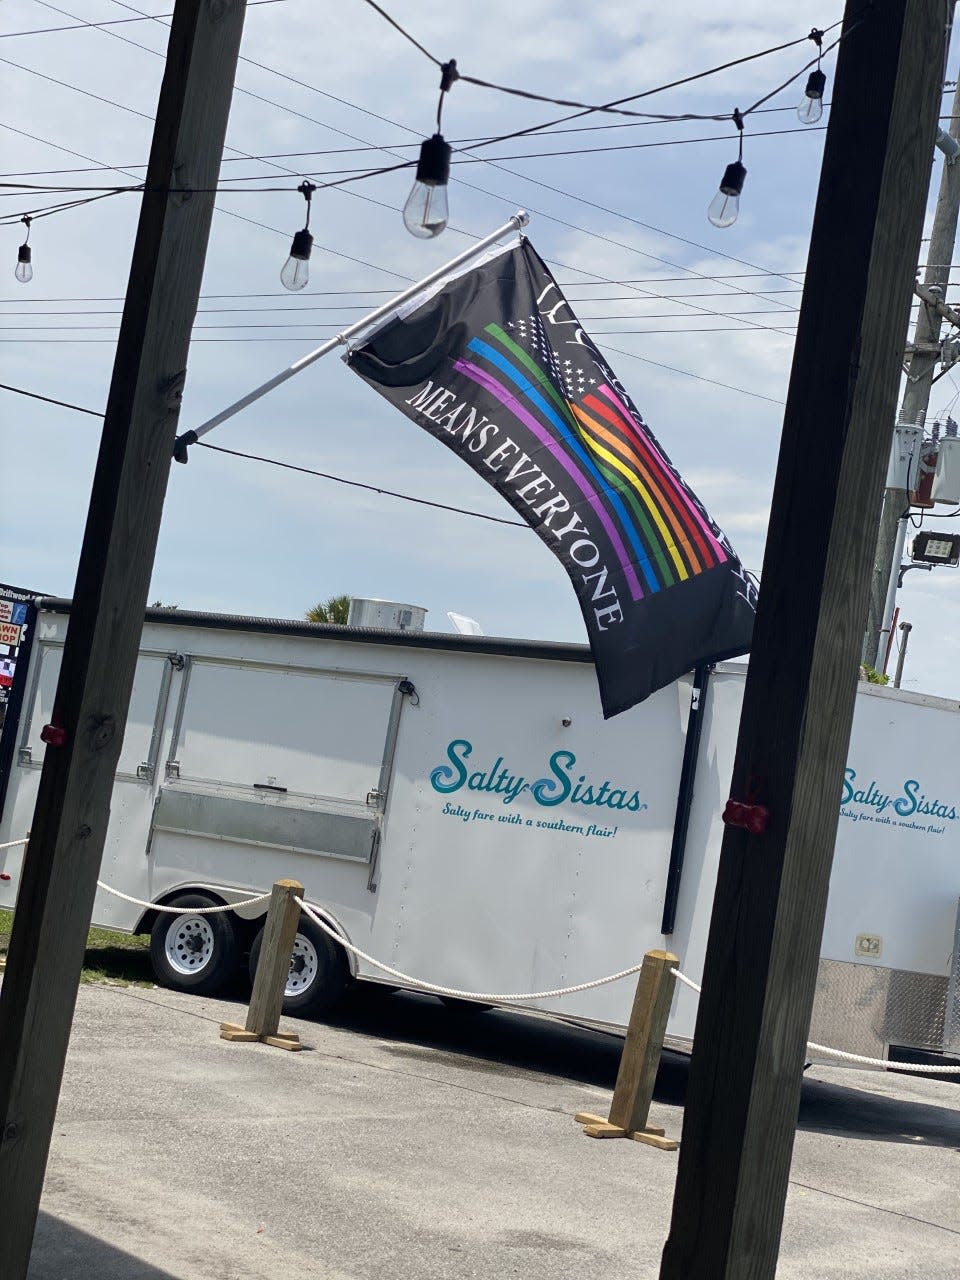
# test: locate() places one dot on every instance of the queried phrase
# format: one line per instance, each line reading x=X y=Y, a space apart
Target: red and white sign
x=9 y=634
x=6 y=610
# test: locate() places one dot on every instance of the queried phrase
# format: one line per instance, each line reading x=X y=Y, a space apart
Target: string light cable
x=707 y=311
x=374 y=114
x=615 y=106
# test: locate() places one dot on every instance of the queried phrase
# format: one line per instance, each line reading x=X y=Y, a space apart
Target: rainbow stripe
x=657 y=529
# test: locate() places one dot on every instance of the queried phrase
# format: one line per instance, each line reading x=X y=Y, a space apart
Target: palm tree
x=333 y=611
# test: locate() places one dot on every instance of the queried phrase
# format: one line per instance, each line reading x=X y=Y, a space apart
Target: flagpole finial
x=520 y=218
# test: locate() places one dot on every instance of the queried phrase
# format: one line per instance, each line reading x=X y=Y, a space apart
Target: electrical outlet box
x=868 y=945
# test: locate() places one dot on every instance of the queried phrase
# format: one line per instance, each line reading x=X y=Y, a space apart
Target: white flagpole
x=519 y=220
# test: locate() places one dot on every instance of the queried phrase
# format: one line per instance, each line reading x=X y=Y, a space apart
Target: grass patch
x=110 y=957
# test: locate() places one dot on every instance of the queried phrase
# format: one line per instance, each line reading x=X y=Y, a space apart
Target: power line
x=112 y=22
x=359 y=174
x=357 y=484
x=94 y=413
x=289 y=466
x=560 y=221
x=279 y=106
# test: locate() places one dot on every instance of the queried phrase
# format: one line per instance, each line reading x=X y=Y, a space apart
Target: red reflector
x=4 y=876
x=53 y=735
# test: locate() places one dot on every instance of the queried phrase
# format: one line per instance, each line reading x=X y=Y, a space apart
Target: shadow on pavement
x=500 y=1042
x=859 y=1113
x=61 y=1250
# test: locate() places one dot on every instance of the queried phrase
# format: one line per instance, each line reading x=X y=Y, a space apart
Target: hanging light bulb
x=24 y=271
x=811 y=104
x=427 y=209
x=426 y=212
x=296 y=270
x=725 y=205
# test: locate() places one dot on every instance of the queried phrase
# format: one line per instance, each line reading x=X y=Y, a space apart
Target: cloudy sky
x=696 y=321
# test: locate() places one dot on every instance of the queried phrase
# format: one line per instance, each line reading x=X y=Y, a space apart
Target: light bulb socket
x=302 y=246
x=23 y=253
x=816 y=83
x=448 y=74
x=433 y=167
x=731 y=184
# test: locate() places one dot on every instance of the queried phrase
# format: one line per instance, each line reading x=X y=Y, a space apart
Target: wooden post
x=640 y=1059
x=764 y=943
x=273 y=967
x=60 y=869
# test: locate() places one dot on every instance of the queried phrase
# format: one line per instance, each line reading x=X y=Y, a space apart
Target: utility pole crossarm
x=933 y=299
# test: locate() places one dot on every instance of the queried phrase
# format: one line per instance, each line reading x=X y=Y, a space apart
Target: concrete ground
x=412 y=1142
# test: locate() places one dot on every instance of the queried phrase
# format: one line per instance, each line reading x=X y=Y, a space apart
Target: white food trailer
x=458 y=808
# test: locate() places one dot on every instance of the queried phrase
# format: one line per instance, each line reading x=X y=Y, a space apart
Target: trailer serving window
x=314 y=733
x=144 y=717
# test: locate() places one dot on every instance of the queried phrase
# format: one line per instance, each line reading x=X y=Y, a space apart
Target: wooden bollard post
x=273 y=967
x=640 y=1059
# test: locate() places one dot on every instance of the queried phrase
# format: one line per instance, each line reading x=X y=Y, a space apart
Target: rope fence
x=492 y=997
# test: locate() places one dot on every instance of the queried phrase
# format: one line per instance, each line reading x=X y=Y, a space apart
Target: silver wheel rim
x=304 y=966
x=189 y=944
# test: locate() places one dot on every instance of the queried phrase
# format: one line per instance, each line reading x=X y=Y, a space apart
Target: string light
x=427 y=209
x=725 y=205
x=296 y=269
x=811 y=104
x=24 y=271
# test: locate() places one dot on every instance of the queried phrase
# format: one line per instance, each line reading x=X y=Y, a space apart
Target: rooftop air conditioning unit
x=385 y=615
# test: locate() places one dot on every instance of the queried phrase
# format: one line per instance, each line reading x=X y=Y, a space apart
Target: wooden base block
x=285 y=1040
x=597 y=1127
x=233 y=1031
x=604 y=1130
x=655 y=1139
x=282 y=1040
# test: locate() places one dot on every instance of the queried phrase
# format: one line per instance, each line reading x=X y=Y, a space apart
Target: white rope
x=842 y=1053
x=487 y=996
x=883 y=1062
x=498 y=997
x=182 y=911
x=12 y=844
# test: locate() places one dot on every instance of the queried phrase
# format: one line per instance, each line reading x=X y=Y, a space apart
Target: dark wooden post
x=763 y=949
x=116 y=560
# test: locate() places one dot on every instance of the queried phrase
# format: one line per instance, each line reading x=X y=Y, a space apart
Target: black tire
x=319 y=972
x=197 y=953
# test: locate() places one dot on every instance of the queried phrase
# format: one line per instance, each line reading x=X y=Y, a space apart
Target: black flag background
x=497 y=367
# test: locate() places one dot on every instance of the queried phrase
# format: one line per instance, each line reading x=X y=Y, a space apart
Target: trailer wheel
x=319 y=974
x=191 y=952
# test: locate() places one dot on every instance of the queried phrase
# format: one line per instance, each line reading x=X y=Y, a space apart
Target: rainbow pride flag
x=496 y=366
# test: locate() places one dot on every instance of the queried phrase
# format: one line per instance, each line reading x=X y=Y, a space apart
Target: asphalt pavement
x=409 y=1141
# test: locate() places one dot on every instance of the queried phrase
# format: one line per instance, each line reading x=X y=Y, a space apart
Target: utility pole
x=922 y=361
x=764 y=944
x=62 y=860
